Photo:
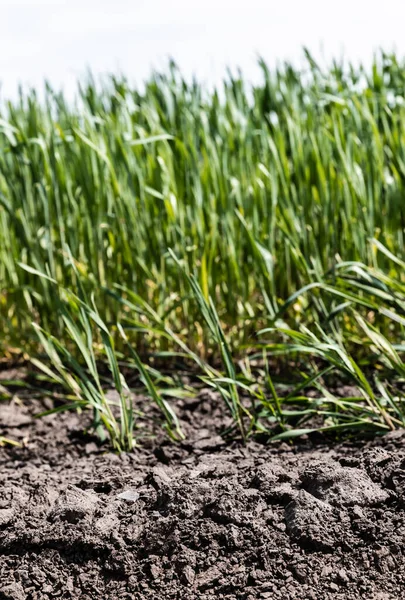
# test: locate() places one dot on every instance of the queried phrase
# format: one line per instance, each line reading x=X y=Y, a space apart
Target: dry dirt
x=199 y=520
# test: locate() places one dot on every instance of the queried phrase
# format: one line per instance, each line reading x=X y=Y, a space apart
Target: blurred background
x=59 y=40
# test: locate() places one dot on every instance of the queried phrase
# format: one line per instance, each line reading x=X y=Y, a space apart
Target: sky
x=59 y=39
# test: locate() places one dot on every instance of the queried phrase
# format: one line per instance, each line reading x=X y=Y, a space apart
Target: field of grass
x=254 y=234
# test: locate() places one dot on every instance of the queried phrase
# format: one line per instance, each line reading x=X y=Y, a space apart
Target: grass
x=248 y=230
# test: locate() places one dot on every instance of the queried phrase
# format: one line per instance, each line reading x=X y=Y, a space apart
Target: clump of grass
x=355 y=304
x=83 y=381
x=75 y=368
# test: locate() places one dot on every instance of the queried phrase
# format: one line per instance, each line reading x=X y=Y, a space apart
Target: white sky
x=59 y=39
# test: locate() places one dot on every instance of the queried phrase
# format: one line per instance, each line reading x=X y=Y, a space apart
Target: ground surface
x=197 y=521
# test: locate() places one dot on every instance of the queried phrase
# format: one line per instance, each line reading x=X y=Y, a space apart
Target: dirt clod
x=342 y=486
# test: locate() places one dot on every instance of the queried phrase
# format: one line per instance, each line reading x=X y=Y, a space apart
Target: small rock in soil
x=129 y=495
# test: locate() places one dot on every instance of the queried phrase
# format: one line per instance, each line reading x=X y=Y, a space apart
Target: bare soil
x=199 y=520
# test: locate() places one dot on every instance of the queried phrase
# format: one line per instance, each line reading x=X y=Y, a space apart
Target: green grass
x=248 y=230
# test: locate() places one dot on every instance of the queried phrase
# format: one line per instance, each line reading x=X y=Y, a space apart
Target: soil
x=198 y=520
